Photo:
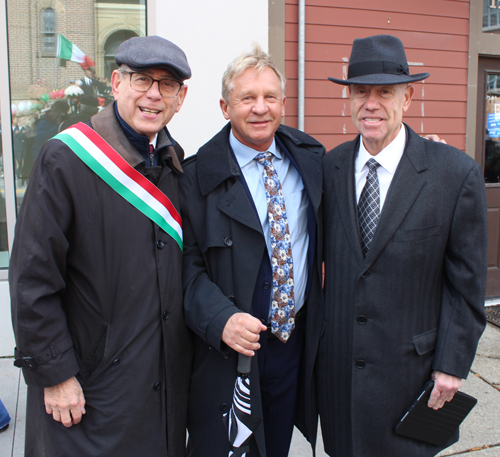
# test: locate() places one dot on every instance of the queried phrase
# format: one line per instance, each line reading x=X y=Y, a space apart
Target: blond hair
x=256 y=58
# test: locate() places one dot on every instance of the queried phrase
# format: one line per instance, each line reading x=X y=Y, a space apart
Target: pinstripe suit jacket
x=415 y=303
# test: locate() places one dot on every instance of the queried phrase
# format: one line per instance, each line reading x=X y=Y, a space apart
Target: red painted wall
x=435 y=35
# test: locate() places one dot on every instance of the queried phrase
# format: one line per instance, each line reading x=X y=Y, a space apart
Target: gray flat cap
x=143 y=53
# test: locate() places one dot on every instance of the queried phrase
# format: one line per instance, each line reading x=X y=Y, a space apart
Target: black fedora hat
x=378 y=60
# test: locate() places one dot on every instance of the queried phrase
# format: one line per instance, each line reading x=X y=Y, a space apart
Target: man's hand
x=242 y=333
x=65 y=402
x=444 y=390
x=434 y=138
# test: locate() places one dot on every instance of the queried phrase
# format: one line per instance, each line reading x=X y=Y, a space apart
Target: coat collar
x=216 y=163
x=107 y=125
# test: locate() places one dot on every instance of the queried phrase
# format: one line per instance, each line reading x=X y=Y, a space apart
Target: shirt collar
x=388 y=158
x=245 y=154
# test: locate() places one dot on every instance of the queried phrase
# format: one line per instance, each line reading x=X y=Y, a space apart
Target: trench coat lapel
x=216 y=165
x=236 y=204
x=407 y=183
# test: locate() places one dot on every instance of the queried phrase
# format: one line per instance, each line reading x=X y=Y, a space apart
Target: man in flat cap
x=405 y=262
x=95 y=273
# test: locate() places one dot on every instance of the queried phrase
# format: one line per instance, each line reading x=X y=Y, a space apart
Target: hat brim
x=174 y=71
x=380 y=79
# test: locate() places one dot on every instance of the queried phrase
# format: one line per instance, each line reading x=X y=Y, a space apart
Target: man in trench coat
x=96 y=284
x=404 y=296
x=228 y=278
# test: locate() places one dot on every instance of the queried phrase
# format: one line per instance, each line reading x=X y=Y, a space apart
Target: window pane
x=50 y=93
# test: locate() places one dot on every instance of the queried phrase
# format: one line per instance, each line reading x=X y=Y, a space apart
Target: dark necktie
x=151 y=154
x=283 y=303
x=369 y=206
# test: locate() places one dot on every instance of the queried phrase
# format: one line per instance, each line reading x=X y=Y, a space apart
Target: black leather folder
x=434 y=426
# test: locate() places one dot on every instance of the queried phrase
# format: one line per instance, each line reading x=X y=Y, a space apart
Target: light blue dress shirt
x=296 y=203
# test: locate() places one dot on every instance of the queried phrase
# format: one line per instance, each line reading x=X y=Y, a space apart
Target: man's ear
x=116 y=79
x=182 y=96
x=408 y=95
x=224 y=108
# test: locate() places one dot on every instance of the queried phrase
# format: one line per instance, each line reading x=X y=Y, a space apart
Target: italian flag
x=66 y=50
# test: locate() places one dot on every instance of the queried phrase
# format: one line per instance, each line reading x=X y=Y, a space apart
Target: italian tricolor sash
x=113 y=169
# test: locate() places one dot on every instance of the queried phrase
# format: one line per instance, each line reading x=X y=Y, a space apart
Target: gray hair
x=257 y=59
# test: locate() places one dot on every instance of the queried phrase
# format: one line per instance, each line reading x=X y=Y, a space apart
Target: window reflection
x=492 y=131
x=49 y=32
x=4 y=246
x=61 y=56
x=491 y=16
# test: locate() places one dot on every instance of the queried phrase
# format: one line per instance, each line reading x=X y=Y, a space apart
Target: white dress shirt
x=388 y=158
x=296 y=203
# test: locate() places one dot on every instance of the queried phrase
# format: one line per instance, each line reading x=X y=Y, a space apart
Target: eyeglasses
x=142 y=83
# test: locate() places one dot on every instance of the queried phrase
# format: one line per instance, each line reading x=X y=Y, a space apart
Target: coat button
x=360 y=363
x=116 y=361
x=362 y=320
x=160 y=244
x=165 y=315
x=231 y=299
x=157 y=386
x=228 y=241
x=223 y=407
x=365 y=274
x=266 y=285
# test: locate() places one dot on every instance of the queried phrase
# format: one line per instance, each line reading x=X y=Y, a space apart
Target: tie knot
x=151 y=148
x=263 y=157
x=372 y=165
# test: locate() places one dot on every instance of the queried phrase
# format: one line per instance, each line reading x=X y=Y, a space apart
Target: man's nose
x=154 y=90
x=372 y=101
x=260 y=106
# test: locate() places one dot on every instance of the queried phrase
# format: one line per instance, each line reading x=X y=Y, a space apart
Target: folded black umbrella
x=239 y=420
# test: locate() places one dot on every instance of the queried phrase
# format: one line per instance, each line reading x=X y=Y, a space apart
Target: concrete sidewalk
x=480 y=433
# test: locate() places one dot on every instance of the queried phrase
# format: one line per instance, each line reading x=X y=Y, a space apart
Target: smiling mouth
x=149 y=111
x=371 y=119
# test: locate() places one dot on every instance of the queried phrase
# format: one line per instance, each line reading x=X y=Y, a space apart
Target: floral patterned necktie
x=283 y=303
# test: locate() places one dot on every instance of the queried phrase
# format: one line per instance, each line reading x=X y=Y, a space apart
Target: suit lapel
x=407 y=183
x=343 y=181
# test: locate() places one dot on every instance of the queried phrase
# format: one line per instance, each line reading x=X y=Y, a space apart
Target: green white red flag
x=66 y=50
x=113 y=169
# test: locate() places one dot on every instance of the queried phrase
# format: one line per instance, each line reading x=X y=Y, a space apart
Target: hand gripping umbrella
x=239 y=420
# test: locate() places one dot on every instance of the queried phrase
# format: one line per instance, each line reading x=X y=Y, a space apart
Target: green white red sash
x=113 y=169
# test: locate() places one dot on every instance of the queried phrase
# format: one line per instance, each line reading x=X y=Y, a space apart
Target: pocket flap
x=425 y=342
x=418 y=234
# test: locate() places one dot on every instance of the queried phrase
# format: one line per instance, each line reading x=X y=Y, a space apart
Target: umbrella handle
x=244 y=363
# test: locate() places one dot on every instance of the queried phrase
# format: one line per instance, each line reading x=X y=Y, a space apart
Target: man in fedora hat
x=405 y=262
x=95 y=274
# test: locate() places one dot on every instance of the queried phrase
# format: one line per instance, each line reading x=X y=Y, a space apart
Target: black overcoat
x=223 y=250
x=415 y=303
x=96 y=293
